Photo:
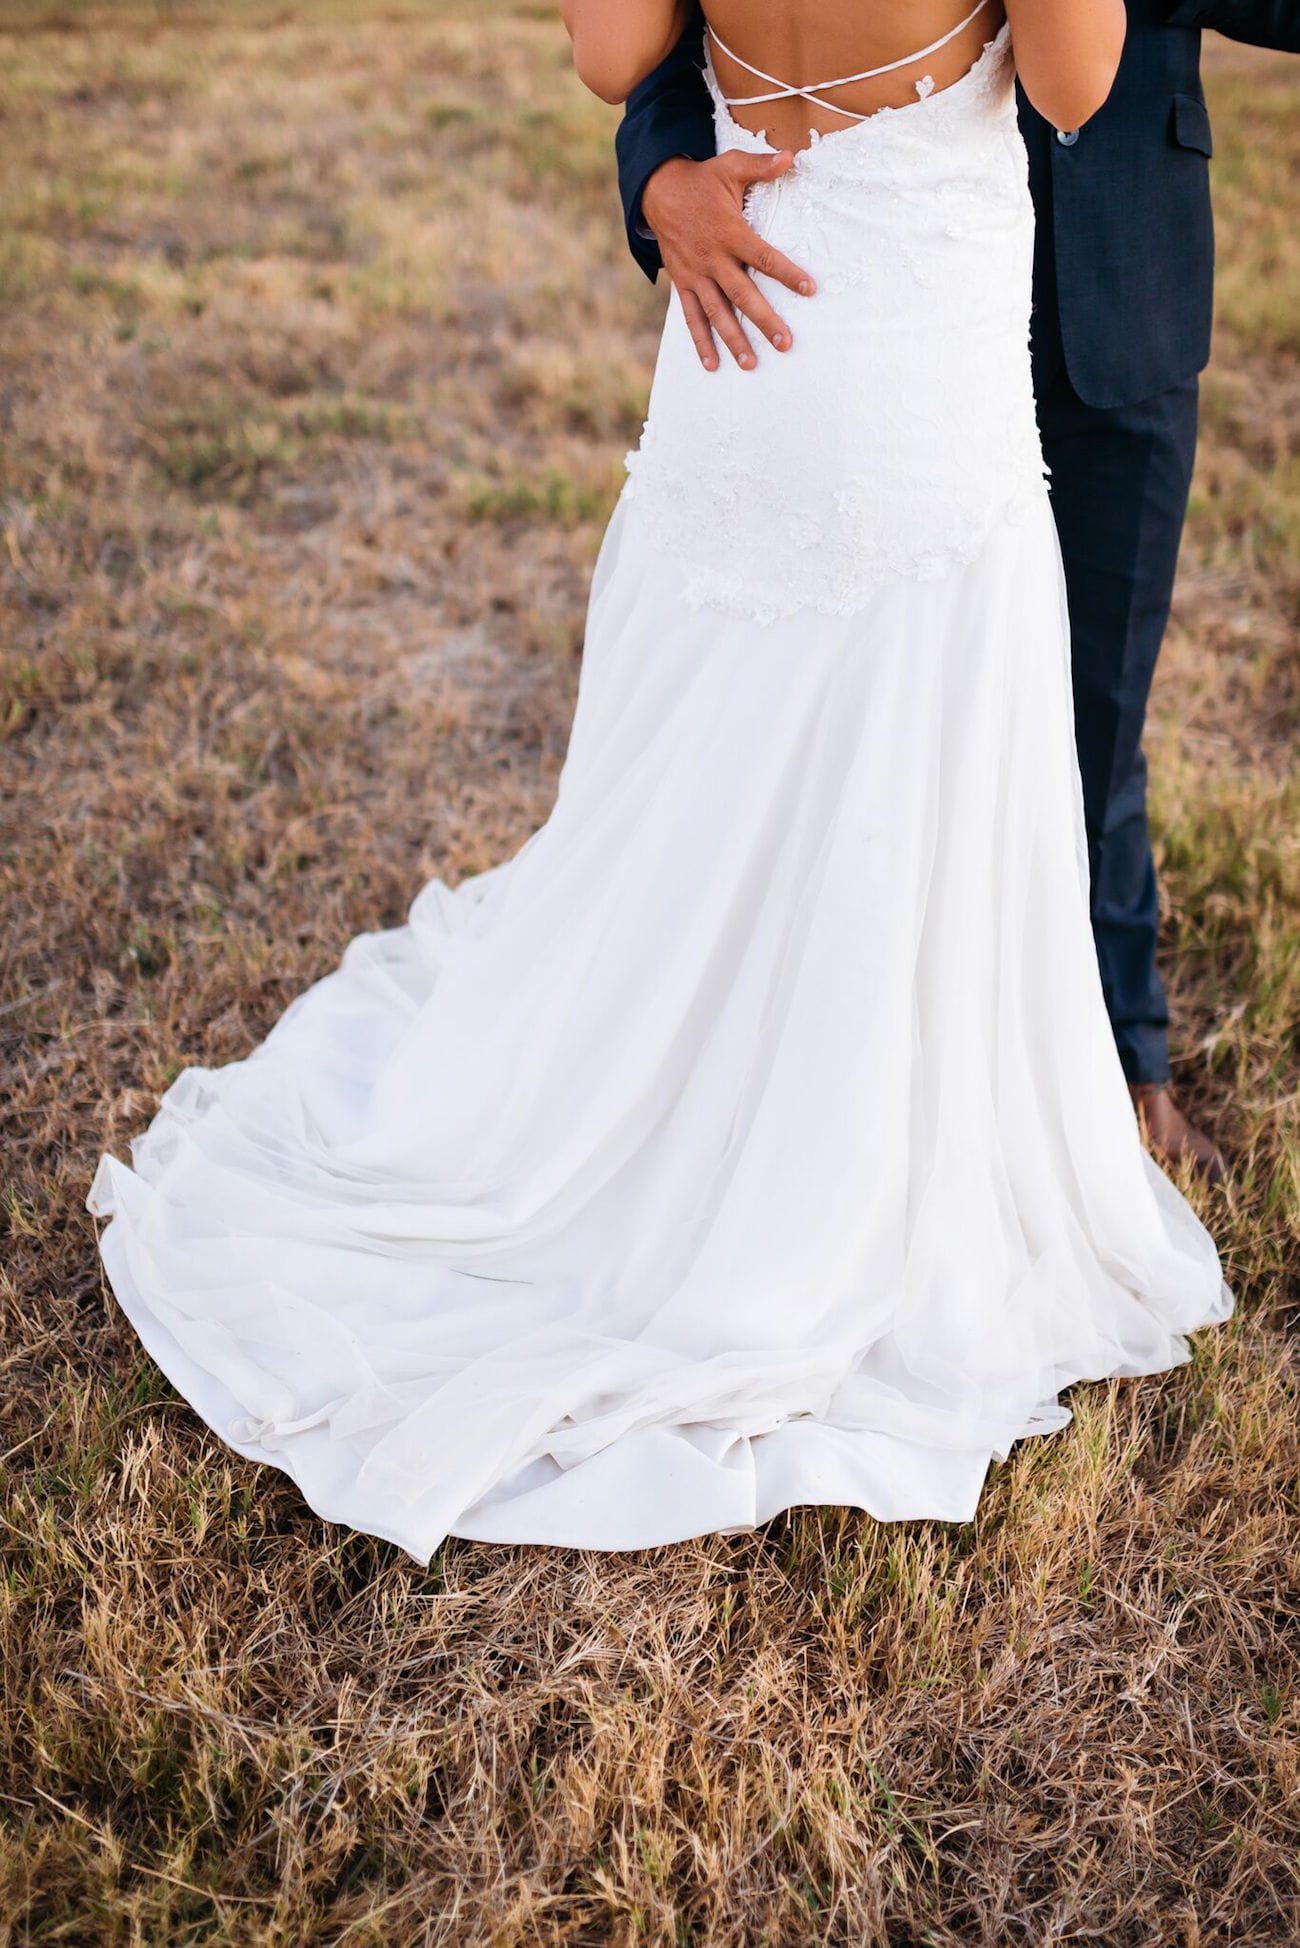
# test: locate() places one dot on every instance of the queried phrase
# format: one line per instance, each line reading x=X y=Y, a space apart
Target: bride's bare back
x=1066 y=50
x=804 y=44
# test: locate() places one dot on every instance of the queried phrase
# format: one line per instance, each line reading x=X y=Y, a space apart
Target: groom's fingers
x=750 y=302
x=717 y=307
x=744 y=241
x=701 y=330
x=746 y=244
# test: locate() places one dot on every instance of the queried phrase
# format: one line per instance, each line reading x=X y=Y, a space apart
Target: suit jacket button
x=1067 y=137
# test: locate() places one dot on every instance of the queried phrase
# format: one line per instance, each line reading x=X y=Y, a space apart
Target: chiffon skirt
x=754 y=1136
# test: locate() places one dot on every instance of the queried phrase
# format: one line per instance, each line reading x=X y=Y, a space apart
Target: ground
x=319 y=353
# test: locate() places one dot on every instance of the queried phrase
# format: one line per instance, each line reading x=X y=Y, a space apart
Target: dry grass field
x=319 y=352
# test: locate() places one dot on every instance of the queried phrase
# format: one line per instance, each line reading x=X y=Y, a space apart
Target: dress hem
x=812 y=1447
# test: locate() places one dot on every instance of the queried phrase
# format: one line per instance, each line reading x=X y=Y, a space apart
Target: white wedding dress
x=754 y=1136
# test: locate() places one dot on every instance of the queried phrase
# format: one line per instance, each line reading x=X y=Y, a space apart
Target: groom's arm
x=668 y=114
x=1262 y=23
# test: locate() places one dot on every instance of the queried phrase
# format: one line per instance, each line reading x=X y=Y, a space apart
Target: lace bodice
x=900 y=426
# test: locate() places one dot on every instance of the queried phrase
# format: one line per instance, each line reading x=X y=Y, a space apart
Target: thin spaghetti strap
x=786 y=91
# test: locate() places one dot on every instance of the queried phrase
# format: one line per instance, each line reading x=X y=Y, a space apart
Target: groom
x=1123 y=291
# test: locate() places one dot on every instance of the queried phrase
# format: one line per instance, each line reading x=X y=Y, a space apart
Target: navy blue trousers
x=1120 y=481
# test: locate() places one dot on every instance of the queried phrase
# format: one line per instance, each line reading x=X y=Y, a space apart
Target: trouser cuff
x=1143 y=1052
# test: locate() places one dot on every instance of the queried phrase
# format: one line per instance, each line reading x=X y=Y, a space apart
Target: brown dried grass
x=320 y=351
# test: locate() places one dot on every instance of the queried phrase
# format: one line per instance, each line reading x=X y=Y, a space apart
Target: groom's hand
x=696 y=211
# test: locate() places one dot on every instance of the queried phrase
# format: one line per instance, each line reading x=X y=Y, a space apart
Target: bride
x=754 y=1136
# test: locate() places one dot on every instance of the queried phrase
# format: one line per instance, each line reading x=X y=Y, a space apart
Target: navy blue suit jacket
x=1124 y=263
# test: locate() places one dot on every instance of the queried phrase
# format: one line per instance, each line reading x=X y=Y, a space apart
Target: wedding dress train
x=754 y=1135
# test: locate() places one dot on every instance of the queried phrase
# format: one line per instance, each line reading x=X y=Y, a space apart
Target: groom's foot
x=1170 y=1137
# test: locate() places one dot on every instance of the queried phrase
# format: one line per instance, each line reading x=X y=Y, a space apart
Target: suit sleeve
x=1263 y=23
x=670 y=113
